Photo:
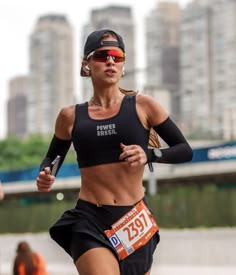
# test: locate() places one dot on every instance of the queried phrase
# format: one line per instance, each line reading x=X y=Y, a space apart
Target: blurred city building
x=230 y=123
x=51 y=72
x=162 y=53
x=17 y=106
x=208 y=63
x=190 y=66
x=120 y=19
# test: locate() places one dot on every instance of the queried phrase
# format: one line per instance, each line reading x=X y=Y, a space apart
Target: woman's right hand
x=45 y=180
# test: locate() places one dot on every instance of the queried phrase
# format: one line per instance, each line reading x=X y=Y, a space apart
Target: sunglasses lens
x=103 y=55
x=100 y=56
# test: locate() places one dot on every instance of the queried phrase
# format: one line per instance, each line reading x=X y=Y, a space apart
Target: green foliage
x=19 y=153
x=32 y=217
x=175 y=207
x=195 y=206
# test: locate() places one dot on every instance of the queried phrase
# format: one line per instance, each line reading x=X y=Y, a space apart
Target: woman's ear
x=85 y=67
x=123 y=71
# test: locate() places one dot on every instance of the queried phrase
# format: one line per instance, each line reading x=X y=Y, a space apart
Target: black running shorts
x=82 y=228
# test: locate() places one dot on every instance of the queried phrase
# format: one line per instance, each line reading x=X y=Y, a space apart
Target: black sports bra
x=98 y=141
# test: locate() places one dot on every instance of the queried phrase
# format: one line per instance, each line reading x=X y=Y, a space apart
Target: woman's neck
x=107 y=100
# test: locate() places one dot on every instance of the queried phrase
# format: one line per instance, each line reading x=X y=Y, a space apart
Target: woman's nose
x=110 y=59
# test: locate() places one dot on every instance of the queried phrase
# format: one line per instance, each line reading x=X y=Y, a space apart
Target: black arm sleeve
x=179 y=150
x=57 y=147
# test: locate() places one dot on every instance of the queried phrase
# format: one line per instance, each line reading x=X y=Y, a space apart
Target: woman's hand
x=45 y=180
x=133 y=154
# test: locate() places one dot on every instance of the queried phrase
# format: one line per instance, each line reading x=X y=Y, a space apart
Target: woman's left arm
x=179 y=150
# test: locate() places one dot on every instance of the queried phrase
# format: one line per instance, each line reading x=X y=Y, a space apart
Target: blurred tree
x=16 y=153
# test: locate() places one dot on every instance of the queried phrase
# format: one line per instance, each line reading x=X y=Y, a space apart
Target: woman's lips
x=110 y=72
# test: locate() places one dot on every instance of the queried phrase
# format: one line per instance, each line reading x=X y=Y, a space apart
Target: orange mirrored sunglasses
x=103 y=55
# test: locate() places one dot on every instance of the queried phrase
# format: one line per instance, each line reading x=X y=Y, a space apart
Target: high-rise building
x=51 y=72
x=223 y=37
x=208 y=63
x=119 y=19
x=196 y=67
x=16 y=106
x=162 y=50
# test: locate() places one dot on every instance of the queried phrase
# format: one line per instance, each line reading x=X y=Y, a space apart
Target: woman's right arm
x=59 y=146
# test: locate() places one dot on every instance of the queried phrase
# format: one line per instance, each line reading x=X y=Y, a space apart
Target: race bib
x=133 y=230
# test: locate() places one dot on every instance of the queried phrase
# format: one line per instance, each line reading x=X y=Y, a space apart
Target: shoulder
x=67 y=111
x=66 y=114
x=40 y=263
x=39 y=260
x=147 y=101
x=65 y=121
x=38 y=256
x=153 y=109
